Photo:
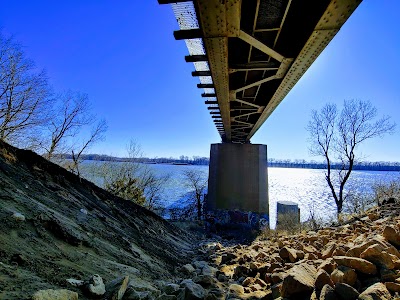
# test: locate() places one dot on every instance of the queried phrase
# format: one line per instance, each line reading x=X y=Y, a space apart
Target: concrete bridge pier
x=238 y=185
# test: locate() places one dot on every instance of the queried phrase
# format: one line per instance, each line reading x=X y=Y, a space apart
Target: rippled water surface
x=303 y=186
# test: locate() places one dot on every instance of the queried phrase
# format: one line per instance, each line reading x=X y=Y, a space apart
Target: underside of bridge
x=248 y=55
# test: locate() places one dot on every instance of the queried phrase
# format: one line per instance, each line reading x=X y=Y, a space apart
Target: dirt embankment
x=55 y=226
x=70 y=228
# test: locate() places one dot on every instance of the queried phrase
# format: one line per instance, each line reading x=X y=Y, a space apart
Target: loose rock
x=322 y=278
x=346 y=292
x=18 y=217
x=95 y=286
x=359 y=264
x=192 y=291
x=378 y=291
x=345 y=275
x=300 y=278
x=327 y=293
x=55 y=295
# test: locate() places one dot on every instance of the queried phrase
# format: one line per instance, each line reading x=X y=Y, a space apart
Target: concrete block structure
x=289 y=209
x=238 y=184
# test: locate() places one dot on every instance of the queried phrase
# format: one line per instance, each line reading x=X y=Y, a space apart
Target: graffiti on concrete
x=248 y=219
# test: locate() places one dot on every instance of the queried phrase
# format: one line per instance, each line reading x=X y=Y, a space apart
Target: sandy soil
x=73 y=229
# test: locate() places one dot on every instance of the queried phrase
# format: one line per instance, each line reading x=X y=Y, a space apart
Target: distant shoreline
x=272 y=163
x=316 y=166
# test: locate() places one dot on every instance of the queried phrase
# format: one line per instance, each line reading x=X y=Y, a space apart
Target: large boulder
x=393 y=287
x=358 y=264
x=346 y=292
x=345 y=275
x=171 y=288
x=391 y=235
x=236 y=291
x=357 y=250
x=322 y=278
x=378 y=291
x=288 y=253
x=329 y=249
x=192 y=291
x=188 y=269
x=95 y=287
x=328 y=265
x=378 y=255
x=116 y=289
x=299 y=279
x=327 y=293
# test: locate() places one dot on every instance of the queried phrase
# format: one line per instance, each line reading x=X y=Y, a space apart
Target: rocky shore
x=359 y=260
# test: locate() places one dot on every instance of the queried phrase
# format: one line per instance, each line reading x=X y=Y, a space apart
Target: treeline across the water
x=182 y=160
x=278 y=163
x=303 y=164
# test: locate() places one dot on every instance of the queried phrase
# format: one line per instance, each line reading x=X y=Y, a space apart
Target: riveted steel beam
x=336 y=14
x=260 y=46
x=256 y=83
x=218 y=21
x=246 y=102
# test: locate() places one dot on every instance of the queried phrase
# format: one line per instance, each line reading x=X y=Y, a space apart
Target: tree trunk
x=198 y=207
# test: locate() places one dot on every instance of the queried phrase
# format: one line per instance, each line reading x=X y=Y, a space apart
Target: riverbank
x=359 y=260
x=61 y=235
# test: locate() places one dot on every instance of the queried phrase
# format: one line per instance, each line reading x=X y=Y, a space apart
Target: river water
x=307 y=187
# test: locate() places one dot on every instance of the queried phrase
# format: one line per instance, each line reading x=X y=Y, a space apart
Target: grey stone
x=192 y=291
x=132 y=294
x=75 y=282
x=167 y=297
x=116 y=289
x=188 y=269
x=327 y=293
x=18 y=217
x=199 y=264
x=171 y=289
x=346 y=292
x=204 y=280
x=95 y=286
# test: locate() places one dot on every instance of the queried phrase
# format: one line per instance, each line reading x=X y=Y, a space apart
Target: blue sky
x=124 y=56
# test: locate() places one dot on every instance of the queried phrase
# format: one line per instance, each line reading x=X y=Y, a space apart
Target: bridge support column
x=238 y=185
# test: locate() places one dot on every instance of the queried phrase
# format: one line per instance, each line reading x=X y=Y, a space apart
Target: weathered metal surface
x=256 y=51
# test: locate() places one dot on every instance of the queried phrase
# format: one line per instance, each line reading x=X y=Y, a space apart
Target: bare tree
x=24 y=96
x=72 y=113
x=96 y=134
x=133 y=180
x=195 y=180
x=336 y=137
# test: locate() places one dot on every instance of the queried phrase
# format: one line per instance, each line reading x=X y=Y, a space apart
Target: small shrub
x=357 y=204
x=288 y=222
x=315 y=221
x=384 y=191
x=127 y=188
